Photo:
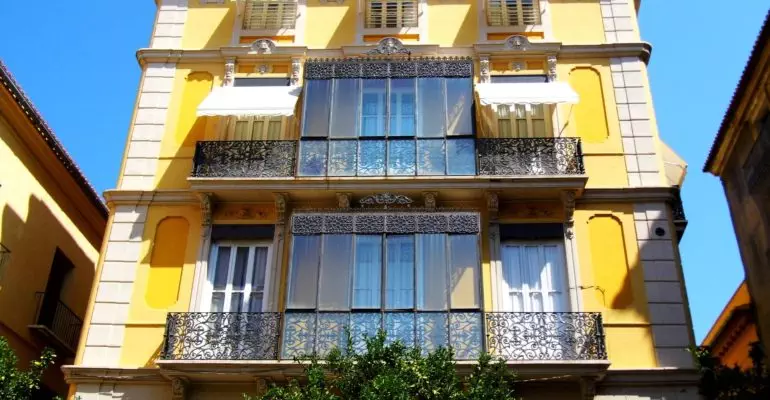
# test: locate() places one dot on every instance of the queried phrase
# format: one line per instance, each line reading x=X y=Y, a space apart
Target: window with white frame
x=534 y=277
x=237 y=278
x=513 y=12
x=391 y=13
x=269 y=14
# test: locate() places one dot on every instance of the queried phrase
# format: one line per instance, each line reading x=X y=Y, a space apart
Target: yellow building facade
x=484 y=175
x=51 y=227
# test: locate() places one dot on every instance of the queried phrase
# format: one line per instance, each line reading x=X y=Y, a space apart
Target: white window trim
x=496 y=268
x=204 y=297
x=545 y=25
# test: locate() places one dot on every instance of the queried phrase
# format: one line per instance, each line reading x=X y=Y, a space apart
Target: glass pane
x=335 y=272
x=401 y=157
x=371 y=158
x=258 y=269
x=255 y=302
x=312 y=158
x=217 y=302
x=432 y=331
x=399 y=289
x=239 y=272
x=461 y=155
x=400 y=327
x=303 y=279
x=316 y=112
x=431 y=159
x=222 y=268
x=367 y=274
x=345 y=107
x=459 y=100
x=342 y=157
x=373 y=107
x=431 y=272
x=431 y=107
x=402 y=107
x=464 y=271
x=236 y=302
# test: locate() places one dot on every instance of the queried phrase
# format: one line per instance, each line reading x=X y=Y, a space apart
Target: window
x=258 y=128
x=513 y=12
x=388 y=126
x=421 y=283
x=238 y=276
x=522 y=120
x=391 y=13
x=534 y=277
x=270 y=14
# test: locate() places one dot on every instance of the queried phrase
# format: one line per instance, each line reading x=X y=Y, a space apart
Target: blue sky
x=76 y=61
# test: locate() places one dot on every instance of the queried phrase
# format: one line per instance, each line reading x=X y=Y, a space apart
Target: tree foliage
x=16 y=384
x=720 y=382
x=395 y=372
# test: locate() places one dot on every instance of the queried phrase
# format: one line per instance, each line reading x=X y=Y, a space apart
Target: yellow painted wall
x=452 y=23
x=147 y=314
x=209 y=26
x=577 y=21
x=590 y=113
x=33 y=223
x=330 y=24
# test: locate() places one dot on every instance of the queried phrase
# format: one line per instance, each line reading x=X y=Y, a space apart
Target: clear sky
x=76 y=61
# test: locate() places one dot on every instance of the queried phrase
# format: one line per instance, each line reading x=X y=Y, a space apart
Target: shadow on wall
x=33 y=242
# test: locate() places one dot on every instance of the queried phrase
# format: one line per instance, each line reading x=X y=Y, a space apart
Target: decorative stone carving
x=253 y=212
x=552 y=75
x=517 y=66
x=485 y=76
x=430 y=198
x=263 y=46
x=178 y=389
x=568 y=200
x=229 y=72
x=493 y=205
x=206 y=209
x=385 y=199
x=280 y=207
x=517 y=42
x=296 y=71
x=343 y=200
x=389 y=46
x=263 y=68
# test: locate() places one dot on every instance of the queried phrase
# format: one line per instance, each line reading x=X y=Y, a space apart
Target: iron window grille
x=513 y=12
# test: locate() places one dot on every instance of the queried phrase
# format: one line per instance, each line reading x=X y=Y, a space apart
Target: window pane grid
x=391 y=14
x=513 y=12
x=270 y=14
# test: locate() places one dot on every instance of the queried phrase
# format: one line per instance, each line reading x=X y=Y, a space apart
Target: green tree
x=16 y=384
x=393 y=371
x=720 y=382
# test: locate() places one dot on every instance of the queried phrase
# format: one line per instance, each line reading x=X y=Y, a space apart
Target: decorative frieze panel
x=379 y=222
x=383 y=68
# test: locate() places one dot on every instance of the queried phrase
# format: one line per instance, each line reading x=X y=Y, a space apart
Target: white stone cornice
x=145 y=197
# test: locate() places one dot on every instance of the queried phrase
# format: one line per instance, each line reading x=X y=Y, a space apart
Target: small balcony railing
x=58 y=322
x=530 y=156
x=283 y=336
x=245 y=159
x=493 y=157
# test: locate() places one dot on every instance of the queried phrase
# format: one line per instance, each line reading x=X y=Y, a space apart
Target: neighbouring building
x=51 y=227
x=481 y=174
x=734 y=331
x=740 y=157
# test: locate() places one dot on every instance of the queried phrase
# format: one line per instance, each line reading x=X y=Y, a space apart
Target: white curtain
x=399 y=292
x=431 y=272
x=534 y=279
x=367 y=275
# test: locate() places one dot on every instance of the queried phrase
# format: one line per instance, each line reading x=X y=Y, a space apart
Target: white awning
x=508 y=94
x=248 y=101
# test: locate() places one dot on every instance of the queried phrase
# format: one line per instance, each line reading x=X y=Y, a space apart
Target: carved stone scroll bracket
x=179 y=388
x=568 y=201
x=493 y=205
x=229 y=72
x=588 y=388
x=296 y=71
x=280 y=199
x=485 y=76
x=430 y=199
x=261 y=386
x=207 y=209
x=552 y=74
x=343 y=200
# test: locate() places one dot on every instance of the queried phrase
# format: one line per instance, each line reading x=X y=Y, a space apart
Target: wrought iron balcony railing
x=54 y=319
x=276 y=336
x=530 y=156
x=494 y=157
x=245 y=159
